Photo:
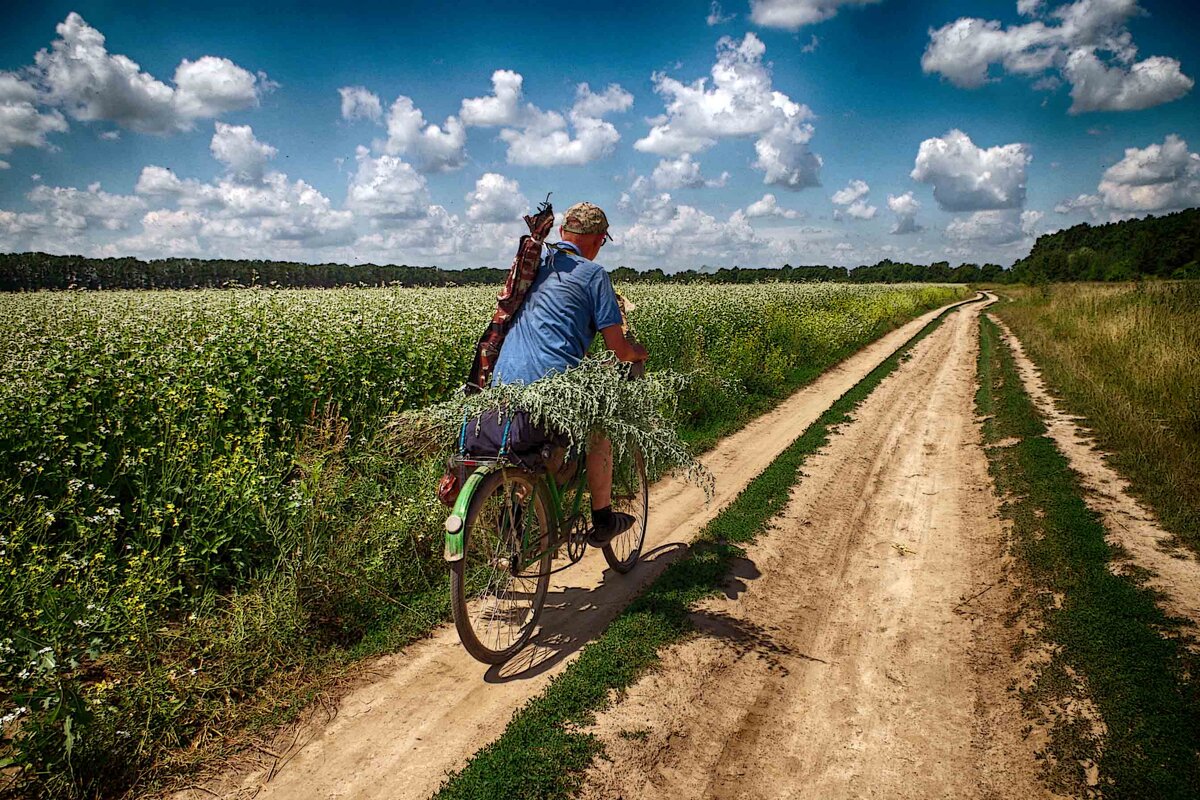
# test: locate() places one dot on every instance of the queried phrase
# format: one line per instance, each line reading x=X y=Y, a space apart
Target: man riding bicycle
x=570 y=300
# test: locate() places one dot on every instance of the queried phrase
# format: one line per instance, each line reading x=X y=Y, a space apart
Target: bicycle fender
x=456 y=523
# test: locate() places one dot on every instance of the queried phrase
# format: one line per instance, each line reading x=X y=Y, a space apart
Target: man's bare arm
x=614 y=339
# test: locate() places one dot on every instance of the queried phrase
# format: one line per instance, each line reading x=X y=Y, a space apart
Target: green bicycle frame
x=456 y=523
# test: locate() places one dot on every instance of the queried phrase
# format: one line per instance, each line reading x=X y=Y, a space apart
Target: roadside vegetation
x=543 y=753
x=1126 y=358
x=1115 y=683
x=202 y=522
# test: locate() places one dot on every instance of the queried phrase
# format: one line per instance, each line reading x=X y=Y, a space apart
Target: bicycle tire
x=464 y=575
x=623 y=552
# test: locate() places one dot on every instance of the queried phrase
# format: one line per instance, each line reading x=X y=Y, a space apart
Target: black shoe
x=604 y=532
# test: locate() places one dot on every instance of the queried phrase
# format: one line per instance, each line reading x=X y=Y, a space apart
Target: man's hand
x=614 y=339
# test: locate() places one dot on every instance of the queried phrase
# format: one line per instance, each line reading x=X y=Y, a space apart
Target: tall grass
x=1127 y=359
x=198 y=515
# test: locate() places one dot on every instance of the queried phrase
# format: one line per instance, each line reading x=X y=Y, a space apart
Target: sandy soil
x=861 y=650
x=430 y=707
x=1174 y=571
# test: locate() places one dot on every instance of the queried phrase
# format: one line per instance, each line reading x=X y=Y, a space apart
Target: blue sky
x=826 y=131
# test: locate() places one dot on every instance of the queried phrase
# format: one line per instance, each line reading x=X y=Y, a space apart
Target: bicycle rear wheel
x=498 y=588
x=630 y=495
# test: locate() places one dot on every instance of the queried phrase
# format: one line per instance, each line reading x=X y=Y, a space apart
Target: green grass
x=543 y=754
x=1107 y=638
x=1125 y=357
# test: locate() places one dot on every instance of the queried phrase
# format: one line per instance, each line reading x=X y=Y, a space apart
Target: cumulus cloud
x=358 y=102
x=905 y=207
x=1087 y=42
x=998 y=227
x=683 y=172
x=496 y=199
x=545 y=140
x=1159 y=177
x=853 y=201
x=689 y=235
x=1084 y=202
x=768 y=206
x=540 y=138
x=70 y=210
x=386 y=189
x=794 y=14
x=741 y=102
x=435 y=148
x=968 y=178
x=22 y=124
x=90 y=84
x=237 y=148
x=502 y=107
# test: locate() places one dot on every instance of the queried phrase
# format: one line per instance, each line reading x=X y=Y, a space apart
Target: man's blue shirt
x=570 y=300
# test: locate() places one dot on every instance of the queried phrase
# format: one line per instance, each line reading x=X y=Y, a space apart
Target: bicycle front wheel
x=630 y=495
x=498 y=588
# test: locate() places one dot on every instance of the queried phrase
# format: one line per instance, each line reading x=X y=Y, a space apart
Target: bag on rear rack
x=497 y=435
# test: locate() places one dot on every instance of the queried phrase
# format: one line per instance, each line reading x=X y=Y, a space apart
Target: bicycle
x=507 y=528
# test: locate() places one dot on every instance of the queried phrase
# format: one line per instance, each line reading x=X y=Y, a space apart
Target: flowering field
x=198 y=512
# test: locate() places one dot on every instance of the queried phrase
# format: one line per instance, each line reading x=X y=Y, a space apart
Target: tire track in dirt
x=1174 y=570
x=431 y=707
x=860 y=650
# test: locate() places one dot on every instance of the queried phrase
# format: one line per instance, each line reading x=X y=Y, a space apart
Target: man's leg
x=599 y=470
x=606 y=523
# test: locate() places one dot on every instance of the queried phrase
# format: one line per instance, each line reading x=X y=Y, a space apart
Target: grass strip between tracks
x=1108 y=642
x=542 y=753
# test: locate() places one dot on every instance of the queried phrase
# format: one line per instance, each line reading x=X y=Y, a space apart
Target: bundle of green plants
x=595 y=397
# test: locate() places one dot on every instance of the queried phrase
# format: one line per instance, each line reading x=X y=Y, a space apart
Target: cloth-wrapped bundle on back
x=520 y=277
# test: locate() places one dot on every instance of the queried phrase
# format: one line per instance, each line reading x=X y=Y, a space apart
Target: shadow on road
x=573 y=617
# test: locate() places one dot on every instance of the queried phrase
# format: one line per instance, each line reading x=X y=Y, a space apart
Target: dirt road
x=861 y=652
x=432 y=706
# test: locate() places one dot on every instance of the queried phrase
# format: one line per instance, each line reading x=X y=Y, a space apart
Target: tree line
x=1167 y=246
x=1162 y=247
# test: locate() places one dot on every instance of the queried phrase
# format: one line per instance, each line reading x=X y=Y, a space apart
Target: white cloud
x=999 y=227
x=1070 y=41
x=795 y=14
x=496 y=199
x=613 y=100
x=740 y=103
x=853 y=201
x=544 y=139
x=91 y=84
x=715 y=17
x=1084 y=202
x=386 y=189
x=236 y=147
x=671 y=174
x=1155 y=178
x=768 y=206
x=436 y=148
x=358 y=102
x=688 y=236
x=536 y=137
x=70 y=211
x=905 y=207
x=502 y=107
x=1148 y=83
x=21 y=124
x=968 y=178
x=1030 y=220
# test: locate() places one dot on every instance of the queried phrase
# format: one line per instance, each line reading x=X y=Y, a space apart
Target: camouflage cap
x=585 y=218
